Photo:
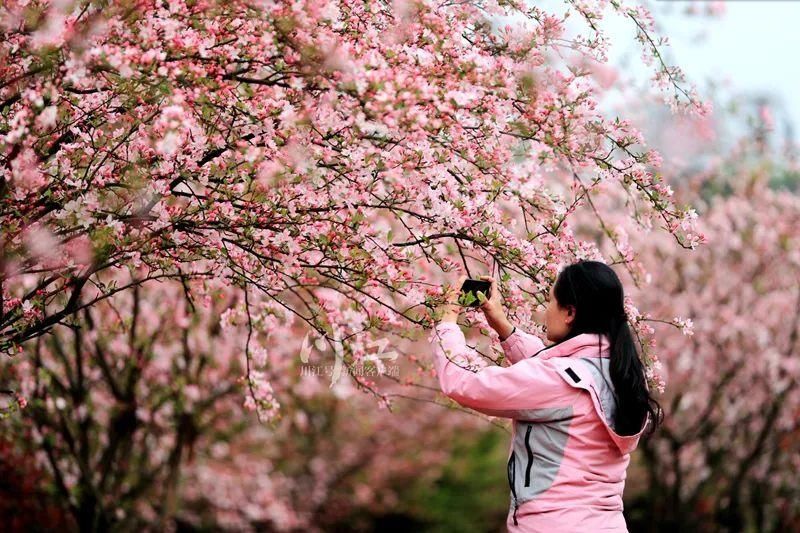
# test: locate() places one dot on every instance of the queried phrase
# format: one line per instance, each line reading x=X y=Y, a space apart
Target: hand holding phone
x=470 y=289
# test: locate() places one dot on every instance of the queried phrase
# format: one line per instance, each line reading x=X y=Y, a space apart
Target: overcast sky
x=751 y=49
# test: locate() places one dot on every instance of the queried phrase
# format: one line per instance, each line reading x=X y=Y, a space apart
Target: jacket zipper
x=511 y=471
x=530 y=455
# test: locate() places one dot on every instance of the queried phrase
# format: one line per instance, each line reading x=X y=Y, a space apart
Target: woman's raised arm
x=494 y=390
x=520 y=344
x=516 y=344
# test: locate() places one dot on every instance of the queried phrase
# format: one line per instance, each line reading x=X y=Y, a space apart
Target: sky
x=745 y=51
x=749 y=50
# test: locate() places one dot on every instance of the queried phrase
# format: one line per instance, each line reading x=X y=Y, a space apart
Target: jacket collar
x=583 y=345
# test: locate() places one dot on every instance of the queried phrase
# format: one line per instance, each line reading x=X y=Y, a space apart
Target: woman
x=578 y=406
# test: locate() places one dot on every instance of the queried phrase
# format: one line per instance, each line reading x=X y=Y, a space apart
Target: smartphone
x=469 y=291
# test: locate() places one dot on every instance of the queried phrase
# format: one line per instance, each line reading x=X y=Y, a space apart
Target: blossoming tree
x=318 y=165
x=727 y=453
x=117 y=401
x=295 y=146
x=135 y=414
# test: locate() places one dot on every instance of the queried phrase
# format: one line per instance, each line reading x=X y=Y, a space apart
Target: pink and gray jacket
x=566 y=465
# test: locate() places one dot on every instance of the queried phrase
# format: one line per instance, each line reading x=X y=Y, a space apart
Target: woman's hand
x=493 y=309
x=451 y=308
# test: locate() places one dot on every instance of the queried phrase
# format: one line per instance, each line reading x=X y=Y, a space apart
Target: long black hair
x=595 y=291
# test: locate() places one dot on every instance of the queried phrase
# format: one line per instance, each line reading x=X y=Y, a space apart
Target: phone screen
x=471 y=287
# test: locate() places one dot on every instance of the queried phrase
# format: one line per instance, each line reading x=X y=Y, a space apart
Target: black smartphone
x=469 y=289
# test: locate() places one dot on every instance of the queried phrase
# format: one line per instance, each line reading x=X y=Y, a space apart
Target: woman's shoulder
x=556 y=372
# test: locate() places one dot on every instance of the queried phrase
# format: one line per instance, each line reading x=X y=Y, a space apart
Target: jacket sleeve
x=512 y=392
x=520 y=345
